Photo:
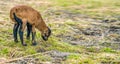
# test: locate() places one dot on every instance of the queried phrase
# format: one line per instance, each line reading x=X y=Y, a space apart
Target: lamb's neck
x=41 y=26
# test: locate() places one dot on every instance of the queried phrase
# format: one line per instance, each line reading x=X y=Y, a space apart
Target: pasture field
x=83 y=32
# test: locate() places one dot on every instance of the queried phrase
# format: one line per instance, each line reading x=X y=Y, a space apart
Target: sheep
x=23 y=16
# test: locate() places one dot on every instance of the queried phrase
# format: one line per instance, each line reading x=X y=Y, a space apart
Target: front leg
x=21 y=32
x=33 y=36
x=29 y=29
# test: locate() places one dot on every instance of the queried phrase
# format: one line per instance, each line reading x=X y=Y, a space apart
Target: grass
x=52 y=44
x=93 y=8
x=108 y=50
x=96 y=58
x=80 y=54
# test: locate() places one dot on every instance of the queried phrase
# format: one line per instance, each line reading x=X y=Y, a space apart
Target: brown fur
x=30 y=15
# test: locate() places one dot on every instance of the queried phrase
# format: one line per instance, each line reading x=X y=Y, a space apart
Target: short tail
x=18 y=20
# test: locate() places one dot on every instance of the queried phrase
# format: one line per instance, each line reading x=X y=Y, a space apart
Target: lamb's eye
x=45 y=34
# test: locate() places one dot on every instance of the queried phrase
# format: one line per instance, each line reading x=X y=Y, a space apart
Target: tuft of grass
x=70 y=22
x=79 y=59
x=65 y=3
x=43 y=58
x=106 y=49
x=4 y=51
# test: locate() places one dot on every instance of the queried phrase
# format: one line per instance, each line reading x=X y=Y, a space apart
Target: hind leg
x=15 y=29
x=21 y=32
x=22 y=24
x=29 y=28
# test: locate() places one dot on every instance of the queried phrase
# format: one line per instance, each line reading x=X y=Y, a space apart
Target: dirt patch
x=56 y=57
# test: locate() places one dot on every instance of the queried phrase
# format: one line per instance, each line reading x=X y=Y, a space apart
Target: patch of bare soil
x=56 y=57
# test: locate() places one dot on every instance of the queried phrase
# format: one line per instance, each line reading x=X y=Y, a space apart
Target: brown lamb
x=23 y=16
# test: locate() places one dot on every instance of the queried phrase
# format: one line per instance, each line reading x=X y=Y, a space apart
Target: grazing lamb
x=23 y=16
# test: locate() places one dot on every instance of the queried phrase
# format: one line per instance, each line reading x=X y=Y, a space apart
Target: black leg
x=29 y=28
x=33 y=38
x=22 y=24
x=15 y=29
x=21 y=35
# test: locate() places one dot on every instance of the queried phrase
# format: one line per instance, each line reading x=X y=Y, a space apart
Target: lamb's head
x=46 y=33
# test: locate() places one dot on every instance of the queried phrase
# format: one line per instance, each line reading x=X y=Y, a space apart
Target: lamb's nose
x=45 y=38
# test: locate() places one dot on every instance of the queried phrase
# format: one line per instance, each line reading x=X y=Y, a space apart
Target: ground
x=83 y=32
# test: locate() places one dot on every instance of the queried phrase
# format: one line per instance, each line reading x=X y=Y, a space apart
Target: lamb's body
x=25 y=15
x=29 y=14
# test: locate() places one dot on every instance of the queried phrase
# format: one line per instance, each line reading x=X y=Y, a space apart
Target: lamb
x=23 y=16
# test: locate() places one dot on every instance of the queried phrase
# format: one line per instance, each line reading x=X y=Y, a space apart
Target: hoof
x=24 y=44
x=16 y=41
x=28 y=38
x=34 y=43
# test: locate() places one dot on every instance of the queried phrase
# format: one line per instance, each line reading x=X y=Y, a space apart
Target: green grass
x=80 y=59
x=65 y=3
x=108 y=50
x=52 y=44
